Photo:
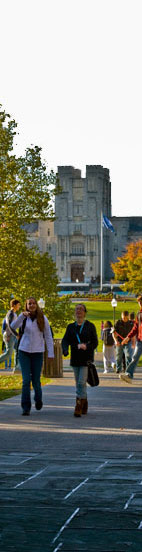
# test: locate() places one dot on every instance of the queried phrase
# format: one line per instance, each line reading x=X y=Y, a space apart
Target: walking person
x=102 y=330
x=121 y=329
x=133 y=340
x=137 y=332
x=9 y=334
x=34 y=328
x=108 y=347
x=7 y=365
x=82 y=337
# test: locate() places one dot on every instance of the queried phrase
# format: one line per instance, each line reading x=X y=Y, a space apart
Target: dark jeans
x=31 y=365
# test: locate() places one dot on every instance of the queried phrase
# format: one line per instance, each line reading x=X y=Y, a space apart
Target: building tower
x=78 y=222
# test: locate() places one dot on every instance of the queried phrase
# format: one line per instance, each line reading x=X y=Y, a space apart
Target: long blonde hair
x=39 y=314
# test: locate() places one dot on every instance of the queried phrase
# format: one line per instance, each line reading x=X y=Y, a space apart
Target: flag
x=107 y=223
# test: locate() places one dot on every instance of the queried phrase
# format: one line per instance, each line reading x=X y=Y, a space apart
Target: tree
x=26 y=194
x=128 y=268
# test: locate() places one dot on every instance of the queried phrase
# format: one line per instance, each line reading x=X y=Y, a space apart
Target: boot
x=84 y=404
x=78 y=409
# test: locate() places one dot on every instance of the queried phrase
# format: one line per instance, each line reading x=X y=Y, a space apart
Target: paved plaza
x=73 y=484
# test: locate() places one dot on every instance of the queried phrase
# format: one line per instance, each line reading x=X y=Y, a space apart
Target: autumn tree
x=128 y=268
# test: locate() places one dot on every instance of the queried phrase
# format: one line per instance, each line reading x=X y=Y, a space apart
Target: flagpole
x=101 y=275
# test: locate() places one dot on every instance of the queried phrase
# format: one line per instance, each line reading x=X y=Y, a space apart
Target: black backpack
x=107 y=336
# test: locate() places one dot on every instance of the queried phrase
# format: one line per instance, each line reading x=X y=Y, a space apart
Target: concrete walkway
x=73 y=484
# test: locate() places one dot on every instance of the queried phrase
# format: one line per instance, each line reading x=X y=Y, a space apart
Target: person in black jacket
x=81 y=335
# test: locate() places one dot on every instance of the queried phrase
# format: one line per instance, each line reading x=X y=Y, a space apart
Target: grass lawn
x=10 y=385
x=96 y=312
x=102 y=310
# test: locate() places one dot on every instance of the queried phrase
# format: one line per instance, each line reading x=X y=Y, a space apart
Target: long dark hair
x=38 y=314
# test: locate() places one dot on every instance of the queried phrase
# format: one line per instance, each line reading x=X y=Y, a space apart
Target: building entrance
x=77 y=273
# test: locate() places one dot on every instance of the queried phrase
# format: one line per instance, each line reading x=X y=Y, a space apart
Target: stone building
x=41 y=235
x=74 y=239
x=78 y=222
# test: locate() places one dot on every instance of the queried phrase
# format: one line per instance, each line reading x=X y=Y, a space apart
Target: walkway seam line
x=76 y=488
x=26 y=460
x=102 y=465
x=59 y=546
x=128 y=502
x=29 y=478
x=65 y=525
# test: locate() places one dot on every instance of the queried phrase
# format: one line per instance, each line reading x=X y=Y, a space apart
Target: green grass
x=10 y=385
x=96 y=312
x=102 y=310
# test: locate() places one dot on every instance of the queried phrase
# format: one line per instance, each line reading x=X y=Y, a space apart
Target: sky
x=71 y=78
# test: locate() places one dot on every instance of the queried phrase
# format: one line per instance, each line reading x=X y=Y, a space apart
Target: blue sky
x=71 y=77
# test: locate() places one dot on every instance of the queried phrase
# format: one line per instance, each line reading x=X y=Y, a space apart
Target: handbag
x=93 y=378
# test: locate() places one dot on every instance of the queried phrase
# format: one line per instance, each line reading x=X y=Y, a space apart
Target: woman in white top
x=35 y=329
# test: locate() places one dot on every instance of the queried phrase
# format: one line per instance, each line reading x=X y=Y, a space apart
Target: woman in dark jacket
x=82 y=337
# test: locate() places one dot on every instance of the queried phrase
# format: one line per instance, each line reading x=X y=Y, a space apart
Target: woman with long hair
x=34 y=329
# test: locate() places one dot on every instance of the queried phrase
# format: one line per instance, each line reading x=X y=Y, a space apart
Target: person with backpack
x=120 y=331
x=9 y=335
x=137 y=332
x=81 y=335
x=34 y=329
x=108 y=347
x=7 y=365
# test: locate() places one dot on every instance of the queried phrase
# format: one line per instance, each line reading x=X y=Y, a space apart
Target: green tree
x=128 y=268
x=26 y=194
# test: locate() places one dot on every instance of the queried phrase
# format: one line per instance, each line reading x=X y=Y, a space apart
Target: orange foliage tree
x=128 y=268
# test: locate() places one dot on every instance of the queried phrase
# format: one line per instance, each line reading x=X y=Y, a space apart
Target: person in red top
x=136 y=331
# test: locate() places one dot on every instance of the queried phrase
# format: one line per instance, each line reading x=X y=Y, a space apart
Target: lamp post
x=41 y=303
x=114 y=305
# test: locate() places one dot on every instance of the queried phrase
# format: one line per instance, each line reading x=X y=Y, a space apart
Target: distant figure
x=133 y=342
x=102 y=328
x=121 y=329
x=137 y=332
x=108 y=347
x=7 y=366
x=9 y=335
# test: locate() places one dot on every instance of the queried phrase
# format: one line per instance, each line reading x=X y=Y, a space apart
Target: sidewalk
x=73 y=484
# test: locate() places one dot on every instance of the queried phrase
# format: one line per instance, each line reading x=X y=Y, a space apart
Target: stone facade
x=74 y=239
x=126 y=230
x=41 y=235
x=78 y=222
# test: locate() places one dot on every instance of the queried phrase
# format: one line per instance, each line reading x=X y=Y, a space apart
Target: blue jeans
x=31 y=366
x=127 y=350
x=136 y=355
x=9 y=345
x=81 y=374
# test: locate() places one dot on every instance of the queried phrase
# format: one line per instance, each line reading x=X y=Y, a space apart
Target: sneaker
x=117 y=371
x=105 y=372
x=26 y=413
x=126 y=377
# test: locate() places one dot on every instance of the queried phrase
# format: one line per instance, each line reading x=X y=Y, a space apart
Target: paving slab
x=68 y=483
